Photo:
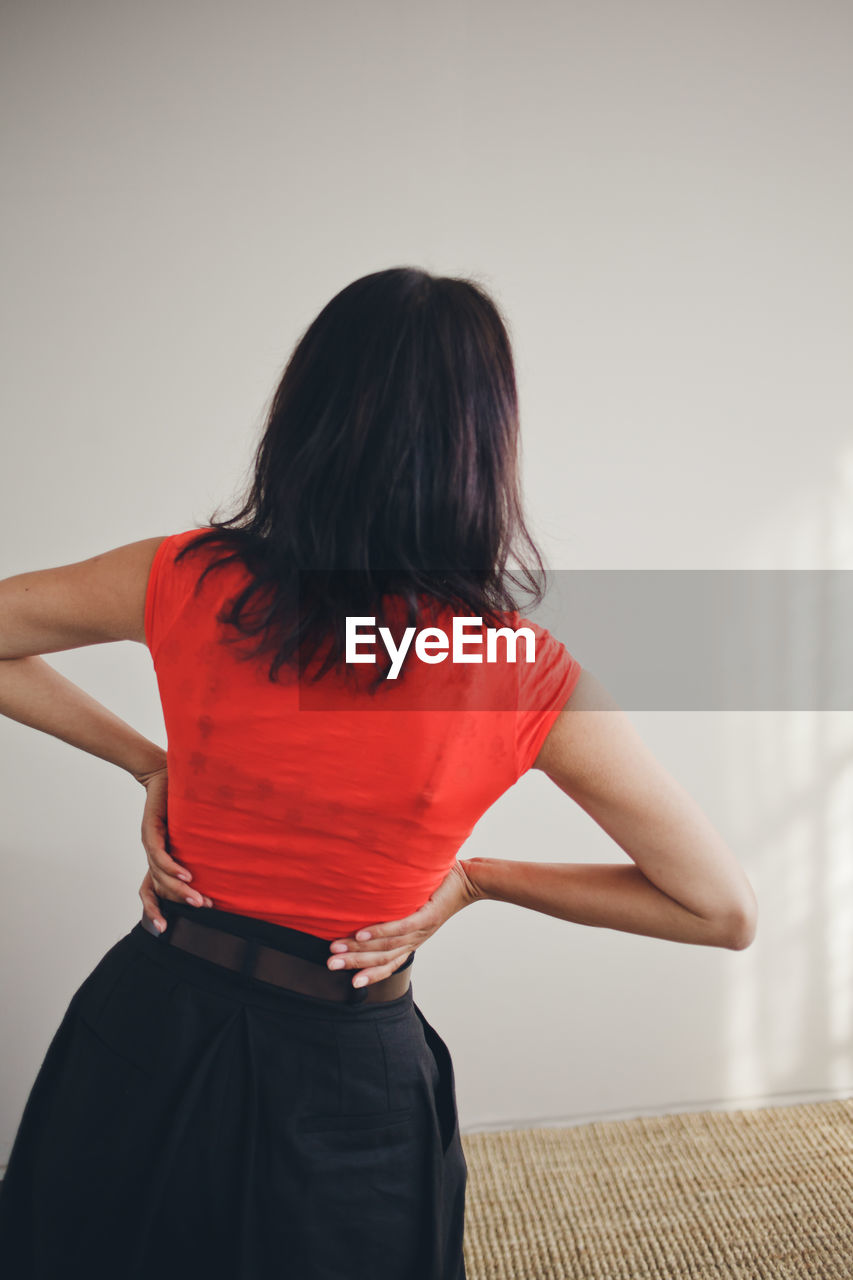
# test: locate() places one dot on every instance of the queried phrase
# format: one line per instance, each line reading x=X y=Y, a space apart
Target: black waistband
x=307 y=945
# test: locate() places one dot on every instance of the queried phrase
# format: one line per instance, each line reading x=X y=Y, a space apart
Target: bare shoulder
x=597 y=756
x=593 y=743
x=90 y=601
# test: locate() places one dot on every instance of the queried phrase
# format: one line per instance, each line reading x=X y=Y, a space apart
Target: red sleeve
x=544 y=686
x=167 y=587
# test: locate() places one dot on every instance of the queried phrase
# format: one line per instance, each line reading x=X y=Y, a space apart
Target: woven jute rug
x=745 y=1195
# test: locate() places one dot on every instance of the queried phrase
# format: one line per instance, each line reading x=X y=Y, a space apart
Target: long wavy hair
x=388 y=467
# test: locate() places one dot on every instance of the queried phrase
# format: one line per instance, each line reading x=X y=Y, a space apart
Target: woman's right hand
x=389 y=944
x=165 y=877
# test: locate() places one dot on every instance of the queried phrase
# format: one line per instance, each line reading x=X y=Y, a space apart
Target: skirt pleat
x=187 y=1120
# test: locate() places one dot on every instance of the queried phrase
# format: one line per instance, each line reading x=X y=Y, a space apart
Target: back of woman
x=219 y=1099
x=324 y=815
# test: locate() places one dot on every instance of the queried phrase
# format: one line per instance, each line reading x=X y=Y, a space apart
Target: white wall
x=660 y=197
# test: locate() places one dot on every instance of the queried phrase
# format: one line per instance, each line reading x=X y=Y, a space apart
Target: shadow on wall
x=789 y=1024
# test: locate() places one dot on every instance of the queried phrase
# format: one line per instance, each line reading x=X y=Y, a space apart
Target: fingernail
x=359 y=981
x=338 y=946
x=192 y=902
x=184 y=875
x=363 y=934
x=336 y=964
x=159 y=926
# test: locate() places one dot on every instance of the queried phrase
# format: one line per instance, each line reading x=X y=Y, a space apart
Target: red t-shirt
x=329 y=820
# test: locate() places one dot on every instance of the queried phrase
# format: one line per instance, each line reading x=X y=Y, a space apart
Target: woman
x=218 y=1099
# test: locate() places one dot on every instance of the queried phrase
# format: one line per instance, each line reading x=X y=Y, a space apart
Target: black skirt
x=189 y=1121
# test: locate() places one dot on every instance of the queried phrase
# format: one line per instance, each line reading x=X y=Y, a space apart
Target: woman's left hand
x=381 y=948
x=165 y=877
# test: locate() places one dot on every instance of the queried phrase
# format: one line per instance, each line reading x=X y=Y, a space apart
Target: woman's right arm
x=685 y=885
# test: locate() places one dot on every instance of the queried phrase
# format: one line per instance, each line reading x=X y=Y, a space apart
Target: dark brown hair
x=388 y=465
